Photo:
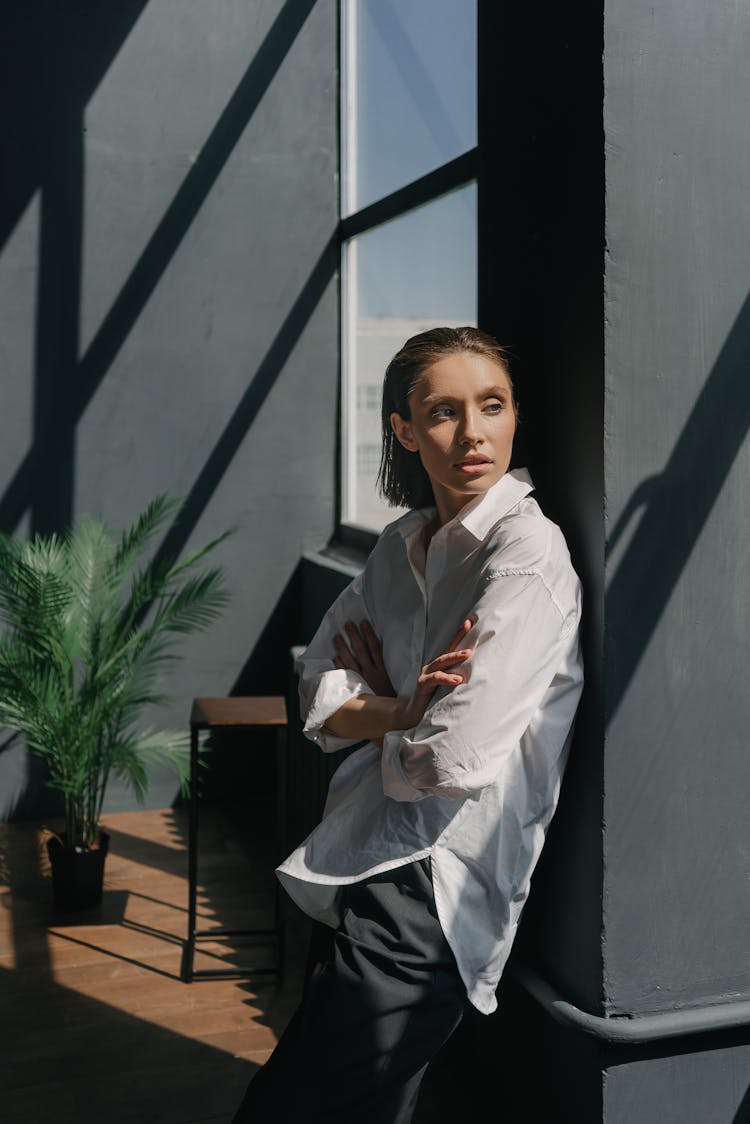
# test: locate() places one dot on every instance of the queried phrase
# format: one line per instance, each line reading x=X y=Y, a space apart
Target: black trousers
x=378 y=1005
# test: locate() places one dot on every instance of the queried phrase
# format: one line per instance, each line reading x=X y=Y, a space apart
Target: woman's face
x=462 y=425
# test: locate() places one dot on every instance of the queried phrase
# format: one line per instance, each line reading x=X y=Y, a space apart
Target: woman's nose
x=469 y=433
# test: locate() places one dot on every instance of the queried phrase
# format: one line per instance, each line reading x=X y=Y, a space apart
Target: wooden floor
x=97 y=1026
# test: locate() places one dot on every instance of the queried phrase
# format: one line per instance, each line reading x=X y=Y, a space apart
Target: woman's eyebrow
x=430 y=398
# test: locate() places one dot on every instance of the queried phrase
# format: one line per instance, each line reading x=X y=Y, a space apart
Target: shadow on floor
x=75 y=1057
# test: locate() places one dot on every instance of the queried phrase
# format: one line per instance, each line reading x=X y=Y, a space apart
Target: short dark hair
x=402 y=478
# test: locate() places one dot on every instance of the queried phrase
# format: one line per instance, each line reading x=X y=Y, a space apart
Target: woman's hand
x=364 y=655
x=440 y=672
x=373 y=716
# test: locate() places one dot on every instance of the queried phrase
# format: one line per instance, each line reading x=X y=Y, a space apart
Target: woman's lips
x=474 y=467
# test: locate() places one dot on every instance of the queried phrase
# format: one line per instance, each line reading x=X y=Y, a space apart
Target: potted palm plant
x=89 y=627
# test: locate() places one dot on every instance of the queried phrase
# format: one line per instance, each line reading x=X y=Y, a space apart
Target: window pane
x=403 y=277
x=410 y=94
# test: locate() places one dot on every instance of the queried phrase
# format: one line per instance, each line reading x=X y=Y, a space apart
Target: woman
x=455 y=657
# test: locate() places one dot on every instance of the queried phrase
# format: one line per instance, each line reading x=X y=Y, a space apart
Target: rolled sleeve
x=521 y=642
x=321 y=695
x=324 y=688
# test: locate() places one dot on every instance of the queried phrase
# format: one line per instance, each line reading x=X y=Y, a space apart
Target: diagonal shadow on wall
x=51 y=455
x=52 y=58
x=44 y=481
x=678 y=503
x=220 y=457
x=742 y=1116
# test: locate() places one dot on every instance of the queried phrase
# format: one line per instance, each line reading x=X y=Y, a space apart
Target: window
x=408 y=228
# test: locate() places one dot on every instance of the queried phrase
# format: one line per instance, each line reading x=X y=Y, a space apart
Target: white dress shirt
x=475 y=783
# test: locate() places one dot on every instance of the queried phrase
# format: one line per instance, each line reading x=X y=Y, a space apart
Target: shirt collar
x=483 y=512
x=413 y=520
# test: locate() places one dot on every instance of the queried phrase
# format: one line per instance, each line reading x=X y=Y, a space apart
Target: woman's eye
x=442 y=412
x=494 y=407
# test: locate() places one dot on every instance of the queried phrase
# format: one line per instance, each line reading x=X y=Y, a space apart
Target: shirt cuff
x=333 y=689
x=395 y=783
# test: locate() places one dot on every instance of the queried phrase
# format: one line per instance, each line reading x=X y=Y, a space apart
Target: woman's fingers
x=436 y=673
x=436 y=678
x=357 y=644
x=344 y=656
x=427 y=684
x=372 y=643
x=361 y=652
x=466 y=626
x=440 y=672
x=447 y=659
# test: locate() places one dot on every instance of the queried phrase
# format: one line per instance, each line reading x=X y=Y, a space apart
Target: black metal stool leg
x=281 y=752
x=216 y=716
x=188 y=953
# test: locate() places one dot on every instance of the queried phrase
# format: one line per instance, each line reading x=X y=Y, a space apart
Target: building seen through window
x=409 y=109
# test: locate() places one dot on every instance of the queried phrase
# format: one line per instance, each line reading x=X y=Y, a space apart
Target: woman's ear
x=404 y=434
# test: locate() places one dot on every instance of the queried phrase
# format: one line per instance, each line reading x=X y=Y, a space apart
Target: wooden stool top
x=238 y=710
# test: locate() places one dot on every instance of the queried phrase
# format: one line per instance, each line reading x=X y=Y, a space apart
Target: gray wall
x=706 y=1085
x=676 y=910
x=677 y=851
x=168 y=291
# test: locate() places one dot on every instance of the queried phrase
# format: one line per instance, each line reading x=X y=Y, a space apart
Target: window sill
x=340 y=558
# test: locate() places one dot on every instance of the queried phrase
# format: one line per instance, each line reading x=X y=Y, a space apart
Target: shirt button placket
x=433 y=569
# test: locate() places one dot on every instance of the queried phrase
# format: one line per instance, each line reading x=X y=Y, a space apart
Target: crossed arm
x=373 y=716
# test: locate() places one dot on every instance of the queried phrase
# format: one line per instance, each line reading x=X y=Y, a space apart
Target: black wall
x=541 y=214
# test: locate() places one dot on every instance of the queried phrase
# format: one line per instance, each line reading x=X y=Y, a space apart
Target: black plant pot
x=77 y=876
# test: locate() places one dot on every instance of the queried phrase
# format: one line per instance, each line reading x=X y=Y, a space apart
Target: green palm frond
x=133 y=541
x=90 y=549
x=150 y=747
x=34 y=591
x=191 y=607
x=89 y=630
x=32 y=698
x=198 y=555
